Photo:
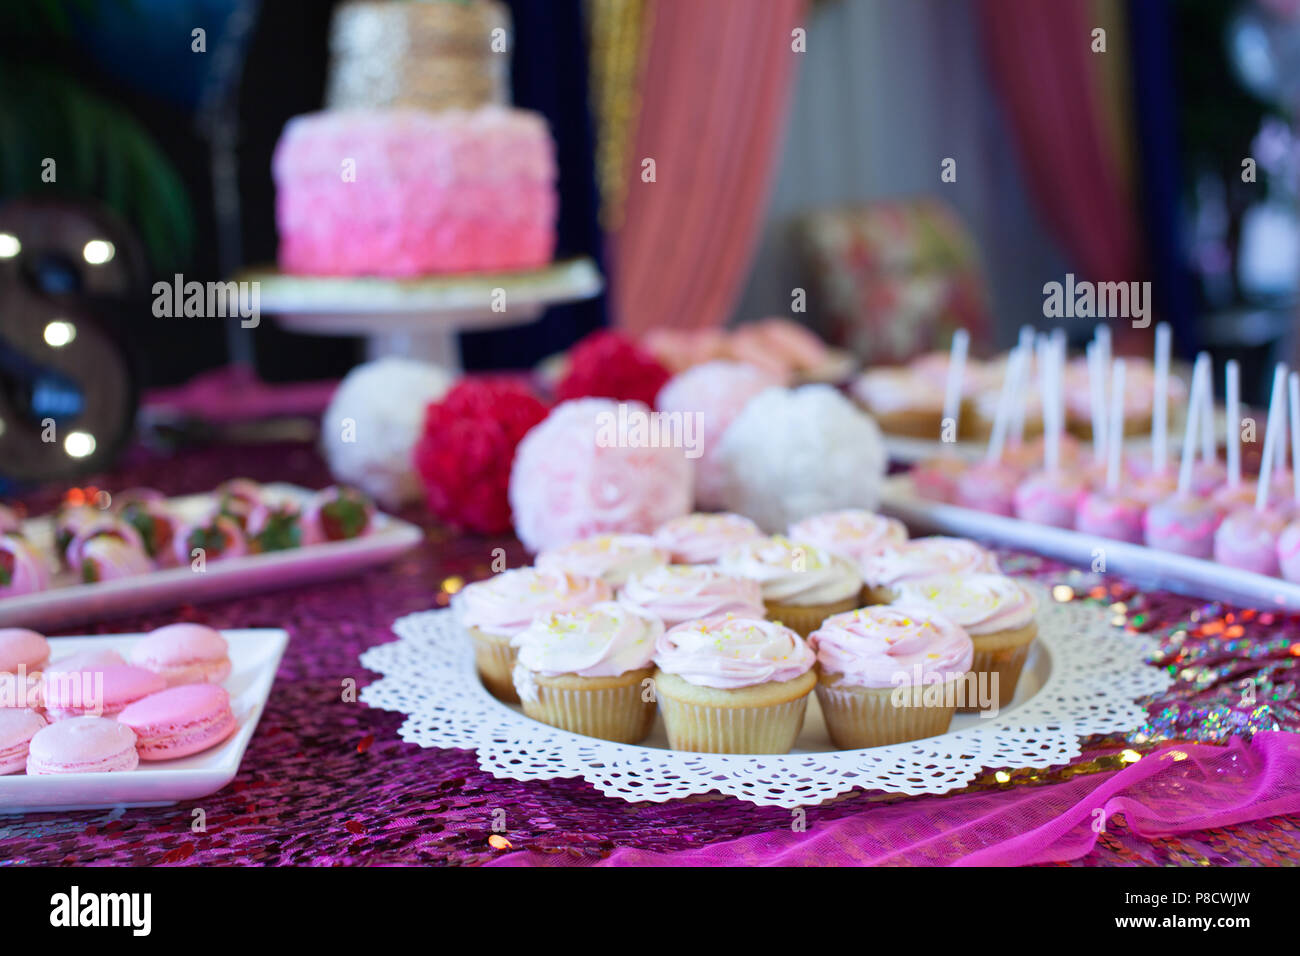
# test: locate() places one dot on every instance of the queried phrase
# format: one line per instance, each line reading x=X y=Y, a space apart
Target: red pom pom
x=609 y=365
x=468 y=446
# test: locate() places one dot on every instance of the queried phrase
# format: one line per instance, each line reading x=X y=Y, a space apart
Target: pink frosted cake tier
x=431 y=193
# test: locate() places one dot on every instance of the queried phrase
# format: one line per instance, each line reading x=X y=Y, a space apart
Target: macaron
x=21 y=648
x=83 y=745
x=17 y=728
x=86 y=661
x=102 y=692
x=180 y=721
x=184 y=654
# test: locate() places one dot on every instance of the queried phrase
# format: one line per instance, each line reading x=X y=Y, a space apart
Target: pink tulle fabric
x=1176 y=790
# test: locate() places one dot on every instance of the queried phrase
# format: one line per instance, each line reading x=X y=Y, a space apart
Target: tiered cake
x=386 y=181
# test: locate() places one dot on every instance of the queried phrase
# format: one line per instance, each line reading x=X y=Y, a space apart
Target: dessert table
x=327 y=781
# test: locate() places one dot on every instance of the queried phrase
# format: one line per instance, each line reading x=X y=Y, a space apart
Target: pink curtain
x=1044 y=69
x=714 y=90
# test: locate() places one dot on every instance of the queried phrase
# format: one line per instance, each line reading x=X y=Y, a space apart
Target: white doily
x=1097 y=675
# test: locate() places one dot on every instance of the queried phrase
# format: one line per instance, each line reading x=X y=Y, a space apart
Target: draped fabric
x=1050 y=83
x=714 y=90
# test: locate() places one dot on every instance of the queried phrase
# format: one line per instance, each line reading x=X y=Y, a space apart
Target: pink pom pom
x=576 y=474
x=717 y=391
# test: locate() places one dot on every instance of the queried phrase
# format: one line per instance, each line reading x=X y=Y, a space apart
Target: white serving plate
x=1084 y=677
x=1146 y=567
x=69 y=602
x=254 y=657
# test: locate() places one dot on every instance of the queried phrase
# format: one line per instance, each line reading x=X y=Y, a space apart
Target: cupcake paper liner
x=1006 y=662
x=803 y=620
x=495 y=659
x=860 y=717
x=701 y=728
x=610 y=713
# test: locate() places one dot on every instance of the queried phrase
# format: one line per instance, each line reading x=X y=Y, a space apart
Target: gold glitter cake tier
x=436 y=55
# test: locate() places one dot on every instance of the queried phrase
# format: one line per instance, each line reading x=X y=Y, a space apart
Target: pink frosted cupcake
x=852 y=534
x=676 y=593
x=887 y=674
x=885 y=572
x=587 y=671
x=733 y=685
x=611 y=557
x=23 y=569
x=493 y=611
x=802 y=584
x=997 y=612
x=703 y=538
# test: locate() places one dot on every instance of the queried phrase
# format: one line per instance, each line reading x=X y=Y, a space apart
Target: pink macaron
x=95 y=660
x=101 y=692
x=21 y=648
x=83 y=745
x=180 y=721
x=184 y=654
x=17 y=728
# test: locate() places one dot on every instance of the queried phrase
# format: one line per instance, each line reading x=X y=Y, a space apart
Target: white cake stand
x=420 y=318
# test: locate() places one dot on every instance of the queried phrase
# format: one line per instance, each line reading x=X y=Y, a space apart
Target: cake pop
x=1248 y=538
x=1108 y=511
x=991 y=485
x=1185 y=521
x=1051 y=496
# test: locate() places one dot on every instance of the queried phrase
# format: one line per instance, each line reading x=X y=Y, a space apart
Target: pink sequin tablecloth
x=327 y=781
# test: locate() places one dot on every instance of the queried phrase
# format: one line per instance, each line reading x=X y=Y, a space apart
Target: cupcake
x=583 y=670
x=998 y=614
x=854 y=534
x=885 y=572
x=802 y=584
x=733 y=685
x=493 y=611
x=901 y=401
x=611 y=557
x=703 y=538
x=888 y=674
x=676 y=593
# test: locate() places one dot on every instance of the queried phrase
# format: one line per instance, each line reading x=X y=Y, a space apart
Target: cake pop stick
x=1275 y=412
x=956 y=370
x=1160 y=402
x=1047 y=379
x=1010 y=382
x=1249 y=538
x=1115 y=429
x=1288 y=542
x=1097 y=404
x=991 y=484
x=1232 y=386
x=1185 y=522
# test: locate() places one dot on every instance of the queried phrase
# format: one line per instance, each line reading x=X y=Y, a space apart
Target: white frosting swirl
x=677 y=593
x=604 y=640
x=728 y=651
x=925 y=558
x=507 y=603
x=980 y=603
x=610 y=557
x=791 y=572
x=853 y=533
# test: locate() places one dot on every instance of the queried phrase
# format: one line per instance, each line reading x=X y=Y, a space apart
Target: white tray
x=1146 y=567
x=254 y=658
x=68 y=602
x=1084 y=677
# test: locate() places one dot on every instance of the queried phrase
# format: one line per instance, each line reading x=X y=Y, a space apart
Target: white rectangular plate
x=254 y=657
x=1146 y=567
x=68 y=602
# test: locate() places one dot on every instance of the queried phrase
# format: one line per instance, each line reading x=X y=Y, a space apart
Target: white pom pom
x=373 y=421
x=793 y=453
